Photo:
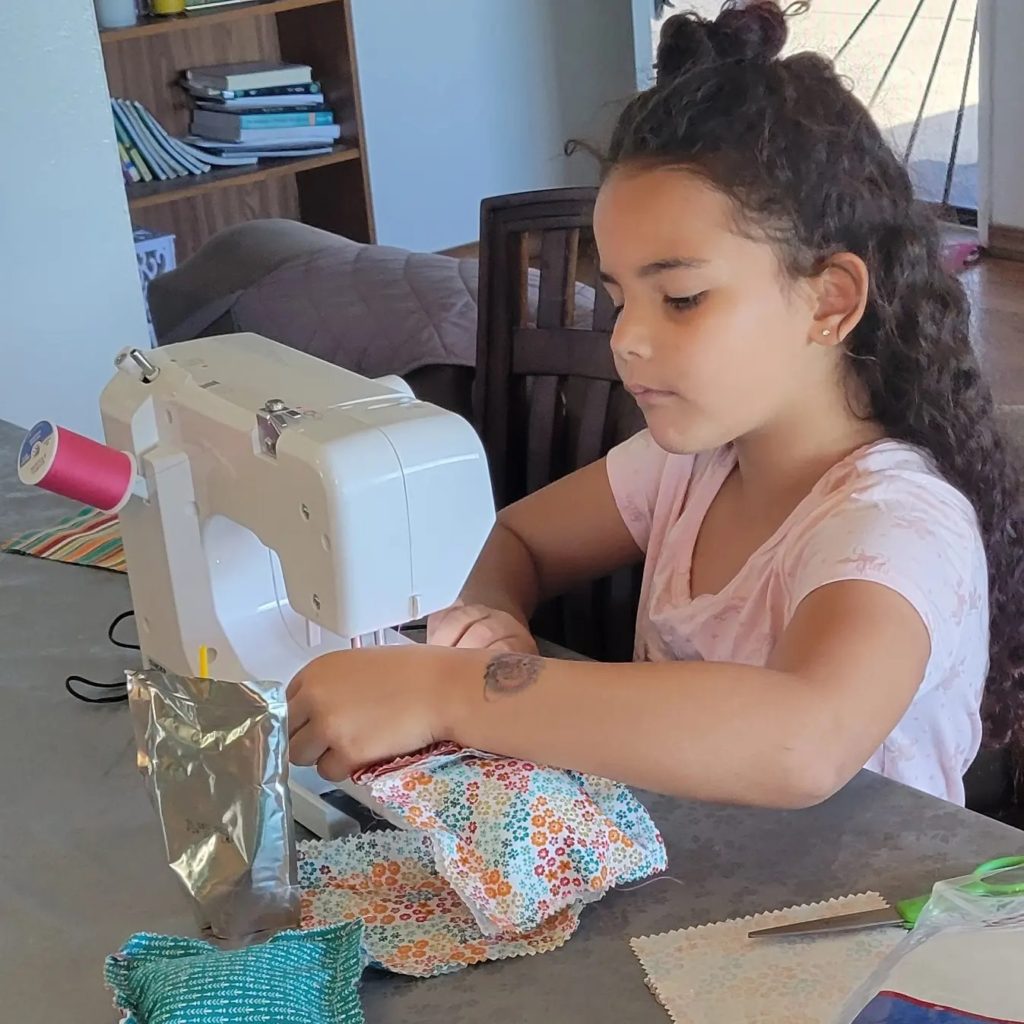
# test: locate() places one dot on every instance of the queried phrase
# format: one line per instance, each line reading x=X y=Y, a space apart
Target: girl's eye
x=684 y=302
x=678 y=303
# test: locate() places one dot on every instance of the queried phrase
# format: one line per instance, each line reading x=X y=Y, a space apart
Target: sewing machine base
x=313 y=809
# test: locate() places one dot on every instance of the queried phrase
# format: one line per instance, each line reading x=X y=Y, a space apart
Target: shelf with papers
x=155 y=193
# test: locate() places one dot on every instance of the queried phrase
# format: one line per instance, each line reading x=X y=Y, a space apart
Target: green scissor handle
x=983 y=888
x=910 y=910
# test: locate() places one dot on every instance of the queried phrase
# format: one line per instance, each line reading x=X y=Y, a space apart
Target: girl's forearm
x=723 y=733
x=504 y=576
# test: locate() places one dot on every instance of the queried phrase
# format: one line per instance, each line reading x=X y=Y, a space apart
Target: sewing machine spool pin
x=147 y=372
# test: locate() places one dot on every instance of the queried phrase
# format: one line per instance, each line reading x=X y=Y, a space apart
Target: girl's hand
x=479 y=627
x=352 y=709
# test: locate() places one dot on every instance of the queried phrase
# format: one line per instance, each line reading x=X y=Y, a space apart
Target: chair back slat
x=547 y=398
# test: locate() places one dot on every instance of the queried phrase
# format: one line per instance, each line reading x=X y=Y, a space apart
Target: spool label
x=37 y=452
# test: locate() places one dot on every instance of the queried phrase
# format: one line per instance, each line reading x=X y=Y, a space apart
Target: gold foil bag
x=214 y=756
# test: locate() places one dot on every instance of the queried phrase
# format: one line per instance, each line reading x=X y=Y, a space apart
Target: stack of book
x=149 y=153
x=259 y=109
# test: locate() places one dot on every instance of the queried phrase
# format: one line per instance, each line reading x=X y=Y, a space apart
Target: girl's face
x=712 y=338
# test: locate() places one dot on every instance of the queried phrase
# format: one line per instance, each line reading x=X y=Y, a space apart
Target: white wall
x=465 y=98
x=1001 y=113
x=69 y=288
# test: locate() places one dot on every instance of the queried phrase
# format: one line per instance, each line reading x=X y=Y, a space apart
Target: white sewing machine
x=285 y=508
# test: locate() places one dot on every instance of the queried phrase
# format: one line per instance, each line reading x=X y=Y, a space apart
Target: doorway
x=914 y=63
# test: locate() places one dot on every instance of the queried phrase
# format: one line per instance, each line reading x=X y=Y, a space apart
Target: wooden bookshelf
x=155 y=26
x=145 y=62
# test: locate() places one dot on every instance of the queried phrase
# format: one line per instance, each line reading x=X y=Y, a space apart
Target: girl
x=828 y=517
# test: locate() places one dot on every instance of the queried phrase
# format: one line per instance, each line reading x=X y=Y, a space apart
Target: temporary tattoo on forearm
x=509 y=674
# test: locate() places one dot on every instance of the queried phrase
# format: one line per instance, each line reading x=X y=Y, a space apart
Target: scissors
x=906 y=912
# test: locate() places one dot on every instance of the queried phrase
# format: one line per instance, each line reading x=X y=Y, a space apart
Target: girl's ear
x=842 y=294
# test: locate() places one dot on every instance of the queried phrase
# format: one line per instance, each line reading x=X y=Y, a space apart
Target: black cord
x=117 y=622
x=114 y=698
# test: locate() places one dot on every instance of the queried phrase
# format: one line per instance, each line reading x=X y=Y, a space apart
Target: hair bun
x=742 y=32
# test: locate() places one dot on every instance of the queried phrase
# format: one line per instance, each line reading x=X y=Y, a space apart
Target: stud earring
x=826 y=332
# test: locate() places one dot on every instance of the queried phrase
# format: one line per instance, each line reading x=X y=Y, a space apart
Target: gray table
x=81 y=863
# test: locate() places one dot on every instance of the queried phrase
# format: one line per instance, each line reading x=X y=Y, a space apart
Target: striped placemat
x=86 y=538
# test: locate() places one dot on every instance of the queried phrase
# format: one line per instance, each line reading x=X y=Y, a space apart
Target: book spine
x=267 y=81
x=292 y=90
x=190 y=155
x=124 y=133
x=158 y=131
x=289 y=120
x=161 y=168
x=260 y=80
x=127 y=167
x=219 y=159
x=304 y=89
x=324 y=134
x=159 y=139
x=223 y=108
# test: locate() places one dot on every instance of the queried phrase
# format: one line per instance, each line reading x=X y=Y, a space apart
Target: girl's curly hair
x=809 y=171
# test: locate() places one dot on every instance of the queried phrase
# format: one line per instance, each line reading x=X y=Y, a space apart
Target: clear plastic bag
x=963 y=962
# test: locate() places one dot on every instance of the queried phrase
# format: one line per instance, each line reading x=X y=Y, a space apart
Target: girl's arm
x=788 y=735
x=565 y=534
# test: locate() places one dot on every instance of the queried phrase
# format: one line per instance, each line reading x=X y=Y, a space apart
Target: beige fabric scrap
x=716 y=974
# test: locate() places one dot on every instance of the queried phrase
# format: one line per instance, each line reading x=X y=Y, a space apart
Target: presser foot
x=320 y=805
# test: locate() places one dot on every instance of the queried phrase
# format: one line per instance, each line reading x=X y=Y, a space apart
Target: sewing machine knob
x=271 y=421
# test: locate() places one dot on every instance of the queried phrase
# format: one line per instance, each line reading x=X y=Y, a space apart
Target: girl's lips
x=645 y=394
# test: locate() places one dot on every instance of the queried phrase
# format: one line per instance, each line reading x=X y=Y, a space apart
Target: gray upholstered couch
x=372 y=309
x=376 y=310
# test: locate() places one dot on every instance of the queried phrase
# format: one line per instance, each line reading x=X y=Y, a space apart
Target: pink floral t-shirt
x=883 y=514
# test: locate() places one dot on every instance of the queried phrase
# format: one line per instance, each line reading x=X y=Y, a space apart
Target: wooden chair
x=547 y=399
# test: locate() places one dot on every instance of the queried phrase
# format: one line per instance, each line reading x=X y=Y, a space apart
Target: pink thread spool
x=65 y=463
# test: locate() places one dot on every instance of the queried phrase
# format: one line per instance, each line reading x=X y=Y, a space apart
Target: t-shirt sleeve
x=920 y=539
x=635 y=471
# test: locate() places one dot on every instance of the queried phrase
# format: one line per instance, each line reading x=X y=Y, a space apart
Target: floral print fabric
x=414 y=922
x=500 y=859
x=519 y=842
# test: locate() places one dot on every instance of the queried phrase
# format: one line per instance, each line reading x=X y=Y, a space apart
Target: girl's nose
x=630 y=339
